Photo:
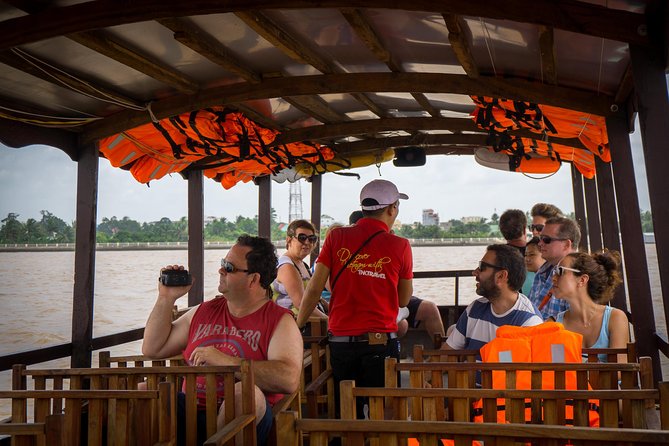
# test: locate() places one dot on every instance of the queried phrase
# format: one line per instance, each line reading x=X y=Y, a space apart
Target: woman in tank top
x=587 y=283
x=292 y=272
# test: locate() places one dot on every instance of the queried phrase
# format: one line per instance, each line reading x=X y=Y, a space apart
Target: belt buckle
x=378 y=338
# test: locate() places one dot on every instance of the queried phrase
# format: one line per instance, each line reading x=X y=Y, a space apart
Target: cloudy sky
x=39 y=178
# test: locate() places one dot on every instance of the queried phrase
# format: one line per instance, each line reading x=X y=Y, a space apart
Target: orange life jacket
x=223 y=143
x=500 y=115
x=546 y=343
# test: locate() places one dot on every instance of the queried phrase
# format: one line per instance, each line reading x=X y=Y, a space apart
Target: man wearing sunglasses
x=499 y=276
x=242 y=322
x=559 y=237
x=540 y=213
x=370 y=273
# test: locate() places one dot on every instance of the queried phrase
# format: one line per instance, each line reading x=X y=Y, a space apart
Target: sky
x=37 y=178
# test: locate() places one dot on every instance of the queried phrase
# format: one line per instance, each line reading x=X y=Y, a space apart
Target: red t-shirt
x=365 y=296
x=246 y=337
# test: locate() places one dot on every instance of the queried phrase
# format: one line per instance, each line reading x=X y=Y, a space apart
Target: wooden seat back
x=49 y=432
x=126 y=378
x=129 y=414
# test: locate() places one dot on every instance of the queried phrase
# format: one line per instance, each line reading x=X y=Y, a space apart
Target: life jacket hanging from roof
x=225 y=144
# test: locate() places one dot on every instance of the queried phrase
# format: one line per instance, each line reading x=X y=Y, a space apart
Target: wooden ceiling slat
x=460 y=45
x=204 y=44
x=421 y=140
x=369 y=37
x=298 y=51
x=515 y=89
x=548 y=58
x=569 y=15
x=78 y=84
x=111 y=47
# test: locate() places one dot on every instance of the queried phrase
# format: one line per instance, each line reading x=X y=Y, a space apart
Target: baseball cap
x=378 y=194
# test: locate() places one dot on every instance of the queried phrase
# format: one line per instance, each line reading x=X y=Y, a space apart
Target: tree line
x=51 y=229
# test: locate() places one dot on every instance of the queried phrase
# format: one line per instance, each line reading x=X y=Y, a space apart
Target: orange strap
x=545 y=300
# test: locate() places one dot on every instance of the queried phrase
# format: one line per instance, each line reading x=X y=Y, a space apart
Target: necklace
x=587 y=324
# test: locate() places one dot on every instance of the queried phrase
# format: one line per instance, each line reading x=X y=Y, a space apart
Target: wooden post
x=650 y=84
x=609 y=220
x=84 y=256
x=196 y=236
x=579 y=205
x=592 y=208
x=316 y=200
x=636 y=266
x=264 y=206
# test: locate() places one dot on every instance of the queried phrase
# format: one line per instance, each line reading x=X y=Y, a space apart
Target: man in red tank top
x=241 y=323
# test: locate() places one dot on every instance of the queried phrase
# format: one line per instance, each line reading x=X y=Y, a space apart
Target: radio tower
x=295 y=202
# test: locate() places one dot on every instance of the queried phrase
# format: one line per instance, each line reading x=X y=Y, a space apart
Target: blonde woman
x=587 y=283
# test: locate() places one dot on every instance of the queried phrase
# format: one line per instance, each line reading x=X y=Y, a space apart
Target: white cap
x=378 y=194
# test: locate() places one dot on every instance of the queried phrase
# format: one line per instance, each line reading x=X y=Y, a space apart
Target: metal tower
x=295 y=202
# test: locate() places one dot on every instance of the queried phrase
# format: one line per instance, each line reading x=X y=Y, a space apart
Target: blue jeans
x=262 y=428
x=361 y=362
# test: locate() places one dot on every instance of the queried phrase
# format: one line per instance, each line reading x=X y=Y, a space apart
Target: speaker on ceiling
x=409 y=157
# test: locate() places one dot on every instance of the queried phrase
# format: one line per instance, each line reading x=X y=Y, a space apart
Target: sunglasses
x=230 y=268
x=560 y=270
x=537 y=228
x=485 y=265
x=302 y=238
x=546 y=239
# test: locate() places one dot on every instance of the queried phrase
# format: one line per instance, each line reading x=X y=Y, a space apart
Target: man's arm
x=404 y=291
x=162 y=337
x=313 y=293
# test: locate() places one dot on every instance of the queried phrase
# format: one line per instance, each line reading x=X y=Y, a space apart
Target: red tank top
x=246 y=337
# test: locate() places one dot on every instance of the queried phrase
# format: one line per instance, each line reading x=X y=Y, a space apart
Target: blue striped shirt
x=478 y=324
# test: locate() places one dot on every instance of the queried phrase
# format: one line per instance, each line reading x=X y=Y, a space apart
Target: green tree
x=646 y=221
x=494 y=218
x=12 y=231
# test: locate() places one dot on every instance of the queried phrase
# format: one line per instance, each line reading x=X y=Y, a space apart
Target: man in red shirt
x=370 y=274
x=242 y=322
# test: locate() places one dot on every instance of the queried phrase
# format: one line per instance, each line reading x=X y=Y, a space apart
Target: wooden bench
x=130 y=414
x=128 y=378
x=49 y=432
x=396 y=432
x=461 y=375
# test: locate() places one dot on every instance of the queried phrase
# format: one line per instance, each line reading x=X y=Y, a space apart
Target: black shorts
x=413 y=305
x=262 y=428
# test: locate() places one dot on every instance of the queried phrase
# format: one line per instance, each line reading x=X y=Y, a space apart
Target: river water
x=36 y=293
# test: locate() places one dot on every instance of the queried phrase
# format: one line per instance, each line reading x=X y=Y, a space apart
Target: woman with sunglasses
x=587 y=283
x=292 y=272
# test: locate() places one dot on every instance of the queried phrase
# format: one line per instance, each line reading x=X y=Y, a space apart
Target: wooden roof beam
x=548 y=59
x=366 y=33
x=460 y=45
x=327 y=133
x=569 y=15
x=204 y=44
x=420 y=140
x=315 y=106
x=298 y=51
x=54 y=74
x=514 y=89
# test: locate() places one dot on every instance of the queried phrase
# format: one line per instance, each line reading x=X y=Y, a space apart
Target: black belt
x=359 y=338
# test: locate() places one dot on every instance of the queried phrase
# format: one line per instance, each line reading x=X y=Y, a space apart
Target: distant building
x=466 y=220
x=326 y=221
x=430 y=218
x=446 y=225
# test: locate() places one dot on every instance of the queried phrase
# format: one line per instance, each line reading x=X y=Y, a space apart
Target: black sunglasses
x=485 y=265
x=302 y=238
x=546 y=239
x=230 y=268
x=537 y=228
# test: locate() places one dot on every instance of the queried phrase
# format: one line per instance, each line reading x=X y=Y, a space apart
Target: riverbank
x=164 y=246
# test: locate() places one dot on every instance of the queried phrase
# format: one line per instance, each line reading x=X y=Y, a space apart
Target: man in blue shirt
x=559 y=237
x=499 y=276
